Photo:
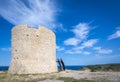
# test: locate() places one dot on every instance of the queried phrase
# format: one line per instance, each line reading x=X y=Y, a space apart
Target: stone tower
x=33 y=50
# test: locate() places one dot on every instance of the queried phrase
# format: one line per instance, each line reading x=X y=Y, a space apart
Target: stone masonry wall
x=33 y=50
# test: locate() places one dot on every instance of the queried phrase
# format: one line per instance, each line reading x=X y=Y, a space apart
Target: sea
x=5 y=68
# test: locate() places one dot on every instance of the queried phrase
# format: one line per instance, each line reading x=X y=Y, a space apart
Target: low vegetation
x=104 y=67
x=4 y=77
x=111 y=74
x=69 y=79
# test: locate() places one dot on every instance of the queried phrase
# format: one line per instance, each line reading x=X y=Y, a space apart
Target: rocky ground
x=64 y=76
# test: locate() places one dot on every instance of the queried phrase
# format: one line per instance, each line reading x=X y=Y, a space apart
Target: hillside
x=103 y=67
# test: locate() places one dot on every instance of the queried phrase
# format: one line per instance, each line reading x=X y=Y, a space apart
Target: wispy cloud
x=89 y=43
x=60 y=48
x=80 y=40
x=80 y=49
x=80 y=33
x=71 y=41
x=31 y=12
x=86 y=53
x=77 y=50
x=115 y=35
x=102 y=51
x=71 y=51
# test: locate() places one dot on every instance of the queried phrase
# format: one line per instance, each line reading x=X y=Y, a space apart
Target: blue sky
x=87 y=31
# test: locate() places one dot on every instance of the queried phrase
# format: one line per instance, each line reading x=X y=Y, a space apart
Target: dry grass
x=68 y=76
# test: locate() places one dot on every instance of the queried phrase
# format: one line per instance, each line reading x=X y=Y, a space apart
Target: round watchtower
x=33 y=50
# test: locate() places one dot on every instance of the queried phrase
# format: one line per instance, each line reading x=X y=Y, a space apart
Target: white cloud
x=60 y=48
x=80 y=33
x=5 y=49
x=97 y=48
x=86 y=44
x=31 y=12
x=115 y=35
x=77 y=50
x=60 y=27
x=89 y=43
x=80 y=49
x=73 y=51
x=102 y=51
x=69 y=52
x=71 y=41
x=79 y=41
x=86 y=53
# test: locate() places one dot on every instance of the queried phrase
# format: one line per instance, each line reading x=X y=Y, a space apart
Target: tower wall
x=33 y=50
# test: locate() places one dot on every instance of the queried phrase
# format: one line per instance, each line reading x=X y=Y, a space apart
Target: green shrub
x=105 y=67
